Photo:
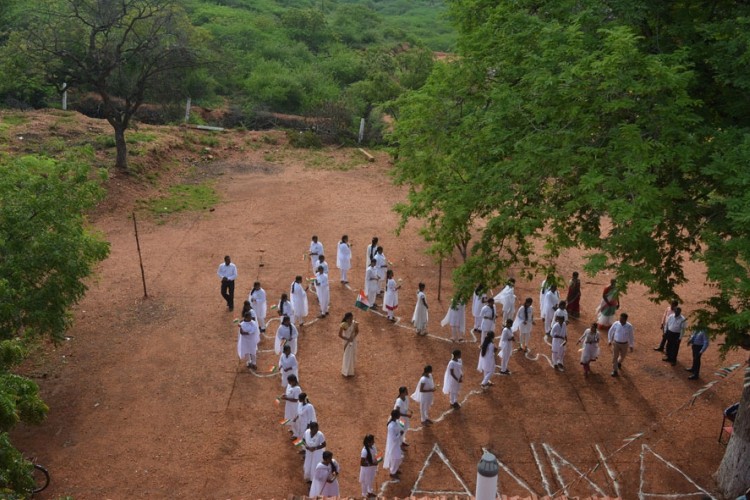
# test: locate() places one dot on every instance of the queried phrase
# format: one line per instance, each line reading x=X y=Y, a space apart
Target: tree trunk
x=733 y=476
x=122 y=148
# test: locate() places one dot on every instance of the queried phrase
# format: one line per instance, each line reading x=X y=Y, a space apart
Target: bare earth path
x=148 y=399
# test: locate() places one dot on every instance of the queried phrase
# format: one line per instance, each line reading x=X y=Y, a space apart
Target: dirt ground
x=148 y=399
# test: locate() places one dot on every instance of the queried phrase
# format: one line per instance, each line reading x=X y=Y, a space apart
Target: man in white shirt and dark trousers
x=674 y=329
x=228 y=273
x=620 y=337
x=699 y=342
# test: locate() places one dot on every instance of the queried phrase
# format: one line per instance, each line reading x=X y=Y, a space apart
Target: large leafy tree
x=125 y=51
x=620 y=128
x=46 y=251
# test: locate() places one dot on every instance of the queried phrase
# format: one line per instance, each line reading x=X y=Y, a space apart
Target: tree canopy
x=619 y=128
x=46 y=251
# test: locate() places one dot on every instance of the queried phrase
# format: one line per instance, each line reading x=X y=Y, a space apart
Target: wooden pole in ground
x=440 y=278
x=140 y=259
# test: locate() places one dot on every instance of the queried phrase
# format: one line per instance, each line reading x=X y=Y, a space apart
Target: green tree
x=616 y=130
x=46 y=252
x=124 y=51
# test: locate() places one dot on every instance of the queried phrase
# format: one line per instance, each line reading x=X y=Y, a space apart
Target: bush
x=307 y=139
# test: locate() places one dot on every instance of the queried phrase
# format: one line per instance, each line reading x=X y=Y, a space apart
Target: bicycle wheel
x=41 y=478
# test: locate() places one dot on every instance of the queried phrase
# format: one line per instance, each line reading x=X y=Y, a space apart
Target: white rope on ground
x=642 y=494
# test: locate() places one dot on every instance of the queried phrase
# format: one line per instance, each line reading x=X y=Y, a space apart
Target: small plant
x=269 y=139
x=136 y=137
x=104 y=142
x=307 y=139
x=208 y=140
x=14 y=119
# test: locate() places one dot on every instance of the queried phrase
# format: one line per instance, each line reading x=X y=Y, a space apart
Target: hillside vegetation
x=325 y=57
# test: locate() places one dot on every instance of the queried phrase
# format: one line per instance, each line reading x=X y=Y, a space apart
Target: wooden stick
x=140 y=259
x=369 y=157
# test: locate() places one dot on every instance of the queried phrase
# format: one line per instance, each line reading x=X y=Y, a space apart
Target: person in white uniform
x=257 y=299
x=325 y=481
x=371 y=282
x=344 y=257
x=316 y=250
x=247 y=341
x=488 y=315
x=507 y=299
x=559 y=334
x=420 y=316
x=322 y=262
x=479 y=298
x=551 y=301
x=288 y=365
x=390 y=301
x=291 y=399
x=546 y=284
x=323 y=291
x=372 y=249
x=424 y=394
x=286 y=334
x=486 y=363
x=456 y=318
x=284 y=307
x=394 y=455
x=402 y=405
x=590 y=350
x=315 y=444
x=506 y=346
x=454 y=377
x=382 y=266
x=298 y=295
x=305 y=415
x=228 y=273
x=523 y=324
x=368 y=466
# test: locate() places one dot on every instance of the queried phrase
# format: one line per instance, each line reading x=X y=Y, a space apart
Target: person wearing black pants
x=674 y=330
x=228 y=273
x=699 y=342
x=670 y=310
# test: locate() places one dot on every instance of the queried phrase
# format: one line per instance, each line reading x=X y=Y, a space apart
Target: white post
x=65 y=97
x=187 y=110
x=361 y=131
x=487 y=471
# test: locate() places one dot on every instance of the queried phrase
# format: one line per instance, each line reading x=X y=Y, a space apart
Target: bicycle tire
x=41 y=478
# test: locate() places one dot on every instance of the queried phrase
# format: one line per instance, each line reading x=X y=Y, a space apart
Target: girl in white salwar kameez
x=456 y=318
x=507 y=299
x=454 y=376
x=402 y=405
x=344 y=258
x=477 y=303
x=590 y=350
x=368 y=466
x=506 y=347
x=372 y=249
x=393 y=453
x=258 y=300
x=305 y=415
x=325 y=481
x=288 y=365
x=486 y=363
x=323 y=291
x=247 y=341
x=420 y=316
x=371 y=283
x=348 y=331
x=291 y=399
x=382 y=266
x=390 y=301
x=286 y=334
x=523 y=324
x=559 y=335
x=551 y=301
x=315 y=445
x=298 y=296
x=284 y=307
x=424 y=394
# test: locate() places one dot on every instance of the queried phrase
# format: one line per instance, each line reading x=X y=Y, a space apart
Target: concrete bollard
x=487 y=471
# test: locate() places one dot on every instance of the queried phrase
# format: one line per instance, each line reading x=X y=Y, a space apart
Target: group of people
x=320 y=469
